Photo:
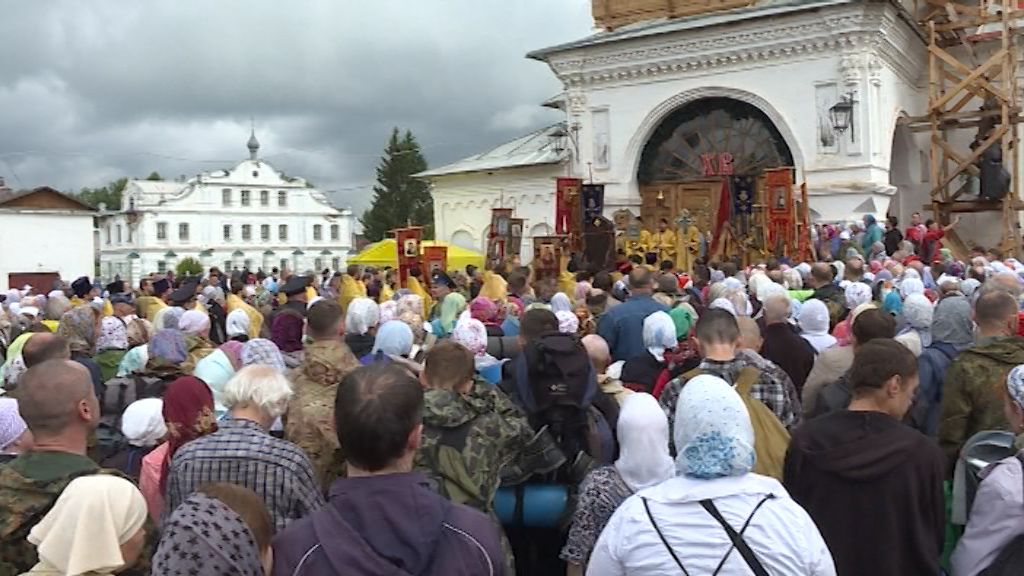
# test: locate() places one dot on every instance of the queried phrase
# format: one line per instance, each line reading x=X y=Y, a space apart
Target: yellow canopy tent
x=385 y=253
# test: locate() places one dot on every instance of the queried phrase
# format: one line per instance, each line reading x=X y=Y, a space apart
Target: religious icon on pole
x=435 y=258
x=567 y=200
x=408 y=248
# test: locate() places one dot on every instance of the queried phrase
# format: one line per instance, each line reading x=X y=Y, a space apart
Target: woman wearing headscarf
x=95 y=527
x=394 y=343
x=917 y=319
x=80 y=326
x=856 y=293
x=111 y=346
x=217 y=369
x=671 y=529
x=142 y=425
x=952 y=332
x=361 y=321
x=263 y=351
x=15 y=437
x=813 y=321
x=568 y=322
x=238 y=326
x=188 y=414
x=644 y=461
x=451 y=307
x=237 y=544
x=471 y=334
x=487 y=311
x=195 y=325
x=286 y=331
x=997 y=514
x=641 y=373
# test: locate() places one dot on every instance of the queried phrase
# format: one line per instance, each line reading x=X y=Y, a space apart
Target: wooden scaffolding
x=972 y=84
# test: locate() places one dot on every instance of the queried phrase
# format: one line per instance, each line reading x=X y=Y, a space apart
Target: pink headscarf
x=484 y=309
x=233 y=350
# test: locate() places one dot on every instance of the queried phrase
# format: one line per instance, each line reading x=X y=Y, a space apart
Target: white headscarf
x=713 y=434
x=194 y=322
x=86 y=527
x=918 y=313
x=814 y=321
x=237 y=323
x=723 y=304
x=659 y=334
x=143 y=422
x=362 y=315
x=857 y=293
x=911 y=286
x=644 y=460
x=560 y=303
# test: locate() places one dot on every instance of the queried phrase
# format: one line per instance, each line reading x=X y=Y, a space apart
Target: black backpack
x=1011 y=557
x=557 y=387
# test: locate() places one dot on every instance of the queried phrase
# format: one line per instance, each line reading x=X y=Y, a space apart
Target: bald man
x=57 y=401
x=45 y=346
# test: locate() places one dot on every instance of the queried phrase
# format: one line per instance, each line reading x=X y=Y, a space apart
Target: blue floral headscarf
x=713 y=434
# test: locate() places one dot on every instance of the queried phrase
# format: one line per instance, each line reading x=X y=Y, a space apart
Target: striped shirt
x=241 y=452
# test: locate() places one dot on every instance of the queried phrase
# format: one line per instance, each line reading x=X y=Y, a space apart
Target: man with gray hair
x=242 y=452
x=622 y=326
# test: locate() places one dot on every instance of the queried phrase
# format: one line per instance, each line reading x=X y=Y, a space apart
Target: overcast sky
x=92 y=91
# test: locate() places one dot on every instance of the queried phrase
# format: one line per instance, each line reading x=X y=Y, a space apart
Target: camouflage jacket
x=973 y=388
x=29 y=487
x=497 y=443
x=309 y=422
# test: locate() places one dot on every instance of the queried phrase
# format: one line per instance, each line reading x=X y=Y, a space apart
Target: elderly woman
x=917 y=319
x=672 y=528
x=80 y=326
x=394 y=343
x=644 y=461
x=237 y=326
x=361 y=321
x=111 y=346
x=195 y=325
x=142 y=425
x=95 y=527
x=856 y=293
x=813 y=321
x=487 y=311
x=997 y=515
x=471 y=334
x=641 y=373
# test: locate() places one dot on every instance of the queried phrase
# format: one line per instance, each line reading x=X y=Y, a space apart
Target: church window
x=282 y=198
x=161 y=267
x=334 y=232
x=318 y=233
x=119 y=239
x=264 y=198
x=246 y=232
x=106 y=233
x=265 y=232
x=183 y=232
x=245 y=197
x=336 y=264
x=282 y=232
x=318 y=264
x=161 y=230
x=227 y=232
x=225 y=196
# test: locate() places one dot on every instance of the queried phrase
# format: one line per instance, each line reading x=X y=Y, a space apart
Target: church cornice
x=867 y=27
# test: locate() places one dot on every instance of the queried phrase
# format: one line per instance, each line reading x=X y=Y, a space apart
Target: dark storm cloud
x=91 y=91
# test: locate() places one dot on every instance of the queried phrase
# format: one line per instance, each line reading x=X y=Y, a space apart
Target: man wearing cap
x=84 y=291
x=295 y=289
x=441 y=285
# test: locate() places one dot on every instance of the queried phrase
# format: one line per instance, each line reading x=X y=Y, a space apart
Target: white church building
x=657 y=109
x=251 y=216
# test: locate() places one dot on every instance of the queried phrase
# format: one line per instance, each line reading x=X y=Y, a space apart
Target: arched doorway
x=700 y=146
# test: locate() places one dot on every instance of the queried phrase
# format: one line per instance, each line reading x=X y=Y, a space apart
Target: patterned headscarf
x=857 y=293
x=1015 y=384
x=263 y=351
x=472 y=334
x=140 y=331
x=204 y=537
x=166 y=349
x=484 y=310
x=388 y=311
x=713 y=434
x=415 y=323
x=188 y=414
x=12 y=426
x=410 y=303
x=78 y=327
x=568 y=322
x=113 y=334
x=286 y=331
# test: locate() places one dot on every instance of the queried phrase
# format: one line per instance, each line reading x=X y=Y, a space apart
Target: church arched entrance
x=701 y=146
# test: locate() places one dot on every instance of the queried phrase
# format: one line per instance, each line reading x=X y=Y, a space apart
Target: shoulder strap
x=650 y=517
x=747 y=378
x=692 y=373
x=737 y=537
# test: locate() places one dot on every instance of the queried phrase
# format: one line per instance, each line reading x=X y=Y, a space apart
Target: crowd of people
x=798 y=418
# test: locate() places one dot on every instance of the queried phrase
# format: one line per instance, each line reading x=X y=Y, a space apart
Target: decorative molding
x=874 y=28
x=577 y=101
x=875 y=70
x=849 y=67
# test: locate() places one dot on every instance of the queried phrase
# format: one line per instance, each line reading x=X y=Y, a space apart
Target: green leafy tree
x=155 y=176
x=188 y=266
x=398 y=198
x=109 y=194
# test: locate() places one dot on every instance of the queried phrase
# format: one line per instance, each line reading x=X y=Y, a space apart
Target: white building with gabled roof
x=251 y=216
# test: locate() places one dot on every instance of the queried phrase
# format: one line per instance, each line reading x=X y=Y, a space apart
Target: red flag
x=722 y=216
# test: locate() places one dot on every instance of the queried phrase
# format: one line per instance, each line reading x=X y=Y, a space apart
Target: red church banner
x=567 y=202
x=779 y=196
